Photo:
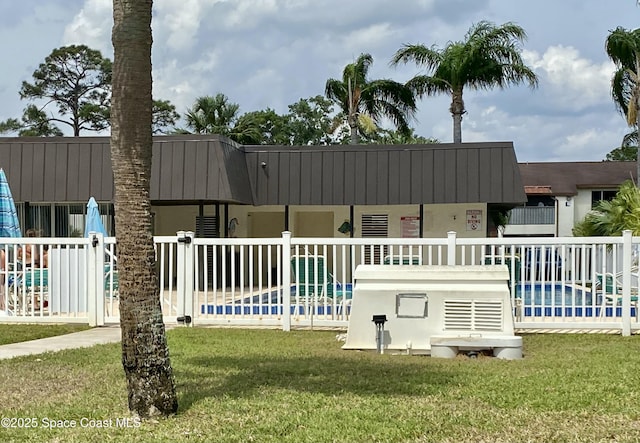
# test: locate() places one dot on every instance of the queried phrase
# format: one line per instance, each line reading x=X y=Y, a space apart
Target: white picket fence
x=557 y=284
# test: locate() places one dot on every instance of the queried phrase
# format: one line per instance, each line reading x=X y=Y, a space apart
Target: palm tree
x=212 y=115
x=358 y=97
x=145 y=354
x=217 y=115
x=610 y=218
x=488 y=57
x=623 y=48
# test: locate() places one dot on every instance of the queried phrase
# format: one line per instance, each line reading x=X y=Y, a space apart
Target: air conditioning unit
x=434 y=310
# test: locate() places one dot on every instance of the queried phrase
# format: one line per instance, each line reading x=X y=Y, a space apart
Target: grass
x=21 y=332
x=270 y=386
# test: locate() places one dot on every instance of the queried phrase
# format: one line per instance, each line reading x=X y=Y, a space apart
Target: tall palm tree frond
x=622 y=46
x=212 y=115
x=489 y=56
x=355 y=94
x=621 y=90
x=630 y=139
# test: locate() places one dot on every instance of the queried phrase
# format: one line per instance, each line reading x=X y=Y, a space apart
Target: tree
x=145 y=354
x=488 y=57
x=217 y=115
x=311 y=121
x=164 y=115
x=623 y=48
x=390 y=137
x=77 y=80
x=610 y=218
x=358 y=96
x=35 y=123
x=628 y=151
x=267 y=128
x=212 y=115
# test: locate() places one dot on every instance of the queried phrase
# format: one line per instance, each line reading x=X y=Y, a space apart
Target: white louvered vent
x=473 y=315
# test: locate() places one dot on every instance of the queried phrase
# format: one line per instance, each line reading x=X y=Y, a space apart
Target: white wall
x=438 y=218
x=171 y=219
x=582 y=203
x=565 y=215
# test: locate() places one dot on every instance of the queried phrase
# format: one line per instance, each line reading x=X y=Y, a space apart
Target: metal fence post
x=451 y=248
x=286 y=281
x=627 y=248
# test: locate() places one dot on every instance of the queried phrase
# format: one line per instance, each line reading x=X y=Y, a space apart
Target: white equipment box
x=436 y=310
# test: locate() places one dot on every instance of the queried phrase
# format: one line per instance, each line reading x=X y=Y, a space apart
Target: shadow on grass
x=216 y=377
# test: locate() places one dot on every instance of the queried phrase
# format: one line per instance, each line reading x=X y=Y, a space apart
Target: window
x=597 y=196
x=61 y=219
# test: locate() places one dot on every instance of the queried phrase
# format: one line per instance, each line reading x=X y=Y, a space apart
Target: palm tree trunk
x=457 y=110
x=354 y=132
x=145 y=355
x=636 y=97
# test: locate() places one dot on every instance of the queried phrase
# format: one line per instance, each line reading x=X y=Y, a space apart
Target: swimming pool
x=270 y=303
x=535 y=300
x=558 y=300
x=550 y=294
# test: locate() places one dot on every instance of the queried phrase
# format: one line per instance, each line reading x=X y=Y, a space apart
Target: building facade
x=560 y=194
x=217 y=188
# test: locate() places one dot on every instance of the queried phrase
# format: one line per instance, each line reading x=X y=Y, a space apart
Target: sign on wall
x=474 y=219
x=410 y=226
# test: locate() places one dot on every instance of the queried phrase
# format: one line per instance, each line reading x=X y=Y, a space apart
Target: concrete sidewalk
x=82 y=339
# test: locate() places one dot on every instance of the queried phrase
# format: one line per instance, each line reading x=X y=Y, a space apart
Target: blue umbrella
x=9 y=224
x=93 y=222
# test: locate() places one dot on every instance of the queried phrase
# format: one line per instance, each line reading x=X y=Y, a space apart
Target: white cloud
x=91 y=26
x=587 y=137
x=570 y=81
x=176 y=23
x=248 y=13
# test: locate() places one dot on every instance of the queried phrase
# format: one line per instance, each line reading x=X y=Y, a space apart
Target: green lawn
x=270 y=386
x=19 y=332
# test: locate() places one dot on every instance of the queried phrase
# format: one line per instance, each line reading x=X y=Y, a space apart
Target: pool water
x=557 y=300
x=270 y=303
x=552 y=294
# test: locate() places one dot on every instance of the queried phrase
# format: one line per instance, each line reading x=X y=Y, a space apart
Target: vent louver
x=473 y=315
x=375 y=226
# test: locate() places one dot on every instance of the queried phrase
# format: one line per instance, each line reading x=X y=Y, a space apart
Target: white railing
x=567 y=283
x=532 y=215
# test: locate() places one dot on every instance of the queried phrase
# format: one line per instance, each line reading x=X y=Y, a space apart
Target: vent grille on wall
x=207 y=227
x=473 y=315
x=375 y=226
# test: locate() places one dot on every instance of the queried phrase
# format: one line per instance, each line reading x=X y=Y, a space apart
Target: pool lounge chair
x=314 y=282
x=609 y=285
x=404 y=260
x=29 y=290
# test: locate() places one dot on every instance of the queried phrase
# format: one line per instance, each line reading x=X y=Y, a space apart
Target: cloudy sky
x=271 y=53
